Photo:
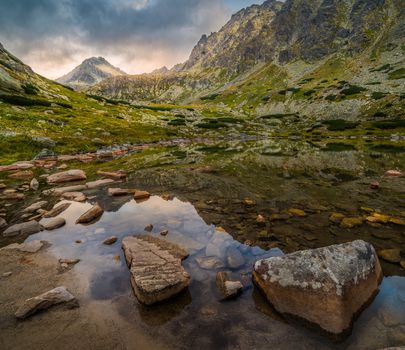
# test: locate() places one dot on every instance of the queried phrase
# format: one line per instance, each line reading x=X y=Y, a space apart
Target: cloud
x=136 y=35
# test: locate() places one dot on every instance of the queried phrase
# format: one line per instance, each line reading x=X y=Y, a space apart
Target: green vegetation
x=340 y=125
x=352 y=90
x=397 y=74
x=19 y=100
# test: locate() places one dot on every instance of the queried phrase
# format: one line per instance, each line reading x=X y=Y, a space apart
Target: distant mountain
x=90 y=72
x=332 y=58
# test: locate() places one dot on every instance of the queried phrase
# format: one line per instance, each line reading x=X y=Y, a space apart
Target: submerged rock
x=210 y=263
x=390 y=255
x=25 y=228
x=3 y=223
x=351 y=222
x=46 y=300
x=67 y=176
x=99 y=183
x=110 y=240
x=156 y=272
x=327 y=287
x=229 y=289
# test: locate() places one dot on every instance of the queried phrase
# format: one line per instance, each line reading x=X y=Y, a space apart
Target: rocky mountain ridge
x=290 y=45
x=90 y=72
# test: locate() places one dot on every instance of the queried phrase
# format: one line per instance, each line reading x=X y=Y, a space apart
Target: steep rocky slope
x=90 y=72
x=328 y=57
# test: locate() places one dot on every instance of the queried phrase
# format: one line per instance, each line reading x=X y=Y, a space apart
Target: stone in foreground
x=44 y=301
x=25 y=228
x=229 y=289
x=67 y=176
x=91 y=215
x=156 y=271
x=327 y=287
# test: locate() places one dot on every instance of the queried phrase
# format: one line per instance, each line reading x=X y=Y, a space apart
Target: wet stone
x=327 y=286
x=34 y=207
x=54 y=223
x=234 y=258
x=228 y=288
x=156 y=274
x=28 y=247
x=58 y=209
x=91 y=215
x=110 y=240
x=351 y=222
x=25 y=228
x=209 y=263
x=149 y=228
x=390 y=255
x=59 y=295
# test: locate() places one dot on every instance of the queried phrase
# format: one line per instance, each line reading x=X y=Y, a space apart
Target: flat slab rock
x=156 y=270
x=46 y=300
x=67 y=176
x=327 y=287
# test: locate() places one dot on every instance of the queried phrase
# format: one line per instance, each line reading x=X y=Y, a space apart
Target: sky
x=138 y=36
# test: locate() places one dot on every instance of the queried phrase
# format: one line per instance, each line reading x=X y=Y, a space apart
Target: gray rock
x=3 y=223
x=327 y=286
x=59 y=295
x=29 y=247
x=34 y=184
x=54 y=223
x=99 y=183
x=210 y=263
x=156 y=273
x=44 y=154
x=25 y=228
x=34 y=207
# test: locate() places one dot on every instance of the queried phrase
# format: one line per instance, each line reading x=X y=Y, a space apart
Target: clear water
x=198 y=319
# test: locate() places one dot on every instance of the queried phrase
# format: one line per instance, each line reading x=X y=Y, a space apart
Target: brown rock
x=138 y=195
x=327 y=287
x=57 y=210
x=375 y=185
x=67 y=176
x=110 y=240
x=34 y=184
x=351 y=222
x=393 y=173
x=229 y=289
x=24 y=174
x=390 y=255
x=116 y=175
x=99 y=183
x=91 y=215
x=116 y=192
x=156 y=274
x=249 y=202
x=260 y=220
x=296 y=212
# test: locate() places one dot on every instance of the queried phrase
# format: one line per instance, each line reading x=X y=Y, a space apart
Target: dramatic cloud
x=53 y=36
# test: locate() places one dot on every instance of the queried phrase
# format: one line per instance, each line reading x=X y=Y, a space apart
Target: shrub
x=30 y=89
x=353 y=90
x=340 y=125
x=23 y=101
x=377 y=95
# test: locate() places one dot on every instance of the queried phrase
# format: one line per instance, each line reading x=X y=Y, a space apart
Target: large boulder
x=67 y=176
x=156 y=271
x=44 y=301
x=327 y=287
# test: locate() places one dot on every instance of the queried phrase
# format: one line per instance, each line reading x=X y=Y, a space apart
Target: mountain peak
x=91 y=71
